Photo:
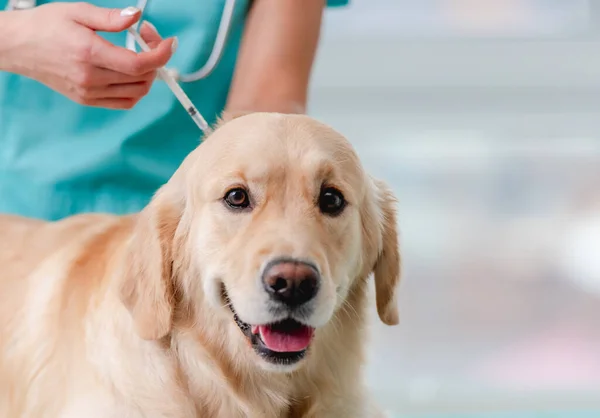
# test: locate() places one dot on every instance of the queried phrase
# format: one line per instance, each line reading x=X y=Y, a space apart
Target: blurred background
x=484 y=117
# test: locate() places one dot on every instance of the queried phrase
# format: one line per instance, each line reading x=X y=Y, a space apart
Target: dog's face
x=281 y=221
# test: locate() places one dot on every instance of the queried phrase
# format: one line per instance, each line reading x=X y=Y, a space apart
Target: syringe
x=174 y=86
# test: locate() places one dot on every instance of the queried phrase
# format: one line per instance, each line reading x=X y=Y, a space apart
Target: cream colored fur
x=115 y=317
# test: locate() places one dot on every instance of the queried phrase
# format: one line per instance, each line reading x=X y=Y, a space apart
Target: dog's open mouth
x=284 y=342
x=287 y=336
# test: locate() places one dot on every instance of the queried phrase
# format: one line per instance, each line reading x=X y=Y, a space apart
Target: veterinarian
x=80 y=128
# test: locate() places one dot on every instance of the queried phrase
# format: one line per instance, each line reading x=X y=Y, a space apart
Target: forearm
x=276 y=56
x=8 y=31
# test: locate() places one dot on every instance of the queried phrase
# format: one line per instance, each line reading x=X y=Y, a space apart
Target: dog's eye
x=237 y=198
x=331 y=201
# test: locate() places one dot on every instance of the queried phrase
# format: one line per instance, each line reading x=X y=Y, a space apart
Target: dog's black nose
x=291 y=282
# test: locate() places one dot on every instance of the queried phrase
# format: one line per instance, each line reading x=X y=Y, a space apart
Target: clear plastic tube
x=185 y=101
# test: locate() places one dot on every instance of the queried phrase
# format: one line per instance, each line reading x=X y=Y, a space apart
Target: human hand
x=57 y=45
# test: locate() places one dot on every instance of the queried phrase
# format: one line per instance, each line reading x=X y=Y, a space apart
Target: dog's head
x=277 y=220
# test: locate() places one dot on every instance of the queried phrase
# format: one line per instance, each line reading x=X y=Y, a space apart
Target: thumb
x=103 y=19
x=150 y=34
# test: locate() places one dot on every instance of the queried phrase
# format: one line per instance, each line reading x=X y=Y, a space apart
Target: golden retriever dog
x=241 y=289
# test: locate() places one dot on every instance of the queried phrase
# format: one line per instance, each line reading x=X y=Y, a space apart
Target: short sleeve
x=337 y=3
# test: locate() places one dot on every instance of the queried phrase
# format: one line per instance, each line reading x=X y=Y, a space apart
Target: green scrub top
x=59 y=158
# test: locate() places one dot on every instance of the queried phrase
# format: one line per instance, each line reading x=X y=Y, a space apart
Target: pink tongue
x=283 y=342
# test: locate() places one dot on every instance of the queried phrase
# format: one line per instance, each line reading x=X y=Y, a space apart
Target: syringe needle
x=174 y=86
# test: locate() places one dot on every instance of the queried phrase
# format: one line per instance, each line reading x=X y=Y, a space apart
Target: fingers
x=121 y=91
x=150 y=34
x=119 y=104
x=111 y=76
x=101 y=78
x=104 y=19
x=119 y=96
x=101 y=84
x=111 y=57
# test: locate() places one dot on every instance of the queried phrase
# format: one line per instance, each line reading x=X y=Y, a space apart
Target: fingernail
x=150 y=25
x=129 y=11
x=174 y=45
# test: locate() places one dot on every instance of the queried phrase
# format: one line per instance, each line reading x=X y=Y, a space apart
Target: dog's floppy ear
x=380 y=231
x=147 y=286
